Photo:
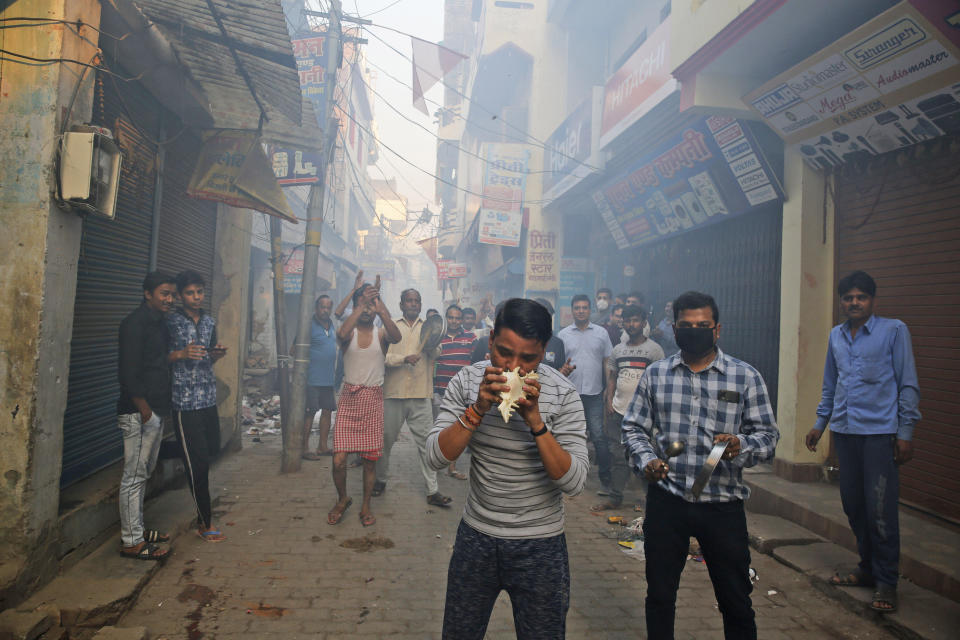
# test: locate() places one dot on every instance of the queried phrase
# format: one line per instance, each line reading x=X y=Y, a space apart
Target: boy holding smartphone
x=193 y=350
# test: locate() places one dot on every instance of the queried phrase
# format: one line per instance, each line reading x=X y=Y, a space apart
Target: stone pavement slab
x=24 y=625
x=769 y=532
x=121 y=633
x=284 y=573
x=819 y=559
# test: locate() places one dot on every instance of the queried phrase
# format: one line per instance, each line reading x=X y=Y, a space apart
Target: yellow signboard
x=232 y=168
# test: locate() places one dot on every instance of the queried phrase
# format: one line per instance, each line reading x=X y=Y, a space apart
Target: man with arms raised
x=359 y=427
x=699 y=397
x=511 y=536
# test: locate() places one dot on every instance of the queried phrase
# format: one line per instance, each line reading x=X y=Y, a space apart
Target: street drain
x=367 y=543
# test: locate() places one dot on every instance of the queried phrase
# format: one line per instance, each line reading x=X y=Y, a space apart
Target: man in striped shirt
x=454 y=354
x=511 y=536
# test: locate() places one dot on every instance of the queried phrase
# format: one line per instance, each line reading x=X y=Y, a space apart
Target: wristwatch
x=537 y=434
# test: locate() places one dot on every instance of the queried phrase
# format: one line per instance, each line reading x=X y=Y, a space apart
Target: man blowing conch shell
x=511 y=536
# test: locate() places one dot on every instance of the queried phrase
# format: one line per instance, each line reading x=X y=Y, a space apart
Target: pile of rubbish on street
x=261 y=415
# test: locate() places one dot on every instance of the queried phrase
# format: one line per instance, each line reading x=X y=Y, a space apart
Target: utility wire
x=538 y=142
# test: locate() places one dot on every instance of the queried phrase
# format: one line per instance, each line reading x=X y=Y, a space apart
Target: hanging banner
x=310 y=54
x=232 y=168
x=710 y=171
x=888 y=84
x=504 y=184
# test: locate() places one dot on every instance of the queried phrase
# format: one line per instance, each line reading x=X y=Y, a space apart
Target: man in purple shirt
x=870 y=398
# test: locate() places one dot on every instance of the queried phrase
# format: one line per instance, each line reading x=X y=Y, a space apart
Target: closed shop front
x=738 y=263
x=898 y=219
x=114 y=258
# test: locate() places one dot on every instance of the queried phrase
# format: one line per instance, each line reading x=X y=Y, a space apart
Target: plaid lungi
x=359 y=426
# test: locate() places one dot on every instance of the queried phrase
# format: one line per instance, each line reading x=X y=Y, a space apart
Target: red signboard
x=638 y=85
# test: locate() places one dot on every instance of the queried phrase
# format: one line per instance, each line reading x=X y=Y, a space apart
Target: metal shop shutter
x=188 y=227
x=738 y=263
x=114 y=256
x=901 y=224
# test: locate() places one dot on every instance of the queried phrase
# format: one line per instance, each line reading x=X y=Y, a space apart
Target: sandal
x=152 y=535
x=147 y=551
x=439 y=500
x=854 y=577
x=212 y=535
x=456 y=474
x=378 y=489
x=884 y=598
x=334 y=516
x=367 y=519
x=605 y=506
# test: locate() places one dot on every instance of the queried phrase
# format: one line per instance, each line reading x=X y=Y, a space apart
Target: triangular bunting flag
x=431 y=62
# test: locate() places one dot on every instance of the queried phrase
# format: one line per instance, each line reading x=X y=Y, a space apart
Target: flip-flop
x=457 y=475
x=885 y=594
x=152 y=535
x=367 y=519
x=378 y=489
x=605 y=506
x=311 y=455
x=211 y=536
x=334 y=516
x=439 y=500
x=852 y=577
x=148 y=551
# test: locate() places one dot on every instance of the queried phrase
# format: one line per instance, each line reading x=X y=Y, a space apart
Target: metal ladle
x=674 y=449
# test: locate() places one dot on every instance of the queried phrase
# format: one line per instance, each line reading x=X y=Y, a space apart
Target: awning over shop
x=216 y=64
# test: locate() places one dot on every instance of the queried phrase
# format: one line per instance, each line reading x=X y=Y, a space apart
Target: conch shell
x=510 y=398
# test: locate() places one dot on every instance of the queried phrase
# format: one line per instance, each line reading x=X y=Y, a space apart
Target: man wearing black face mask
x=699 y=397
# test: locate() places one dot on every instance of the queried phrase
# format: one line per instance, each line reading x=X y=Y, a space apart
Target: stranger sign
x=888 y=84
x=709 y=171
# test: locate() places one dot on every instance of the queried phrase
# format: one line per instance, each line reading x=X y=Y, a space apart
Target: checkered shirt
x=674 y=403
x=194 y=385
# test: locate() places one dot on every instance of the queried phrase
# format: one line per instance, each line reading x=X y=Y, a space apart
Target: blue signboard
x=710 y=171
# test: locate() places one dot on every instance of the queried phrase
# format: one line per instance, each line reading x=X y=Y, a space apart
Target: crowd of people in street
x=659 y=400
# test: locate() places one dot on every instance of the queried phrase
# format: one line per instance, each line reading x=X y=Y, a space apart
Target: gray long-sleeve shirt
x=511 y=496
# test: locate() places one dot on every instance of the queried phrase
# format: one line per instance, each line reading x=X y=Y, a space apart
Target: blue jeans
x=593 y=412
x=141 y=444
x=535 y=572
x=869 y=491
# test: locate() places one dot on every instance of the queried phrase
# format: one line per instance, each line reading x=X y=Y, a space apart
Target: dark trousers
x=593 y=412
x=619 y=470
x=869 y=490
x=535 y=573
x=721 y=529
x=198 y=432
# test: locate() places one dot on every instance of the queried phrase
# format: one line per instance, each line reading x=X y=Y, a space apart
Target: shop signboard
x=888 y=84
x=542 y=268
x=569 y=151
x=311 y=58
x=577 y=275
x=293 y=271
x=293 y=166
x=504 y=184
x=640 y=84
x=449 y=270
x=711 y=170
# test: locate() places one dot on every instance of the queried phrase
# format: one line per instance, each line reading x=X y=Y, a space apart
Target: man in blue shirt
x=320 y=377
x=587 y=346
x=870 y=398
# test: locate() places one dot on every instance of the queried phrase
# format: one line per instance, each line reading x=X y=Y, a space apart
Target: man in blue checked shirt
x=870 y=398
x=700 y=397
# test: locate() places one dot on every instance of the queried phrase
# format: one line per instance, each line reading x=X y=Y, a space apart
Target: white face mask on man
x=603 y=304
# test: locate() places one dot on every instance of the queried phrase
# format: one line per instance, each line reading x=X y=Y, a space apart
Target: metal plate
x=703 y=476
x=431 y=332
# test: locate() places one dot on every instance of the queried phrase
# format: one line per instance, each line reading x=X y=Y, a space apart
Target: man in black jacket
x=144 y=398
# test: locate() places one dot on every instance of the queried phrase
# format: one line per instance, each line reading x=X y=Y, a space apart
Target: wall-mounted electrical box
x=90 y=170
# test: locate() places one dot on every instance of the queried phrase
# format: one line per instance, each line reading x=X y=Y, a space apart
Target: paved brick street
x=285 y=573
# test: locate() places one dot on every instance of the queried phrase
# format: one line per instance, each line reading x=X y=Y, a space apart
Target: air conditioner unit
x=90 y=170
